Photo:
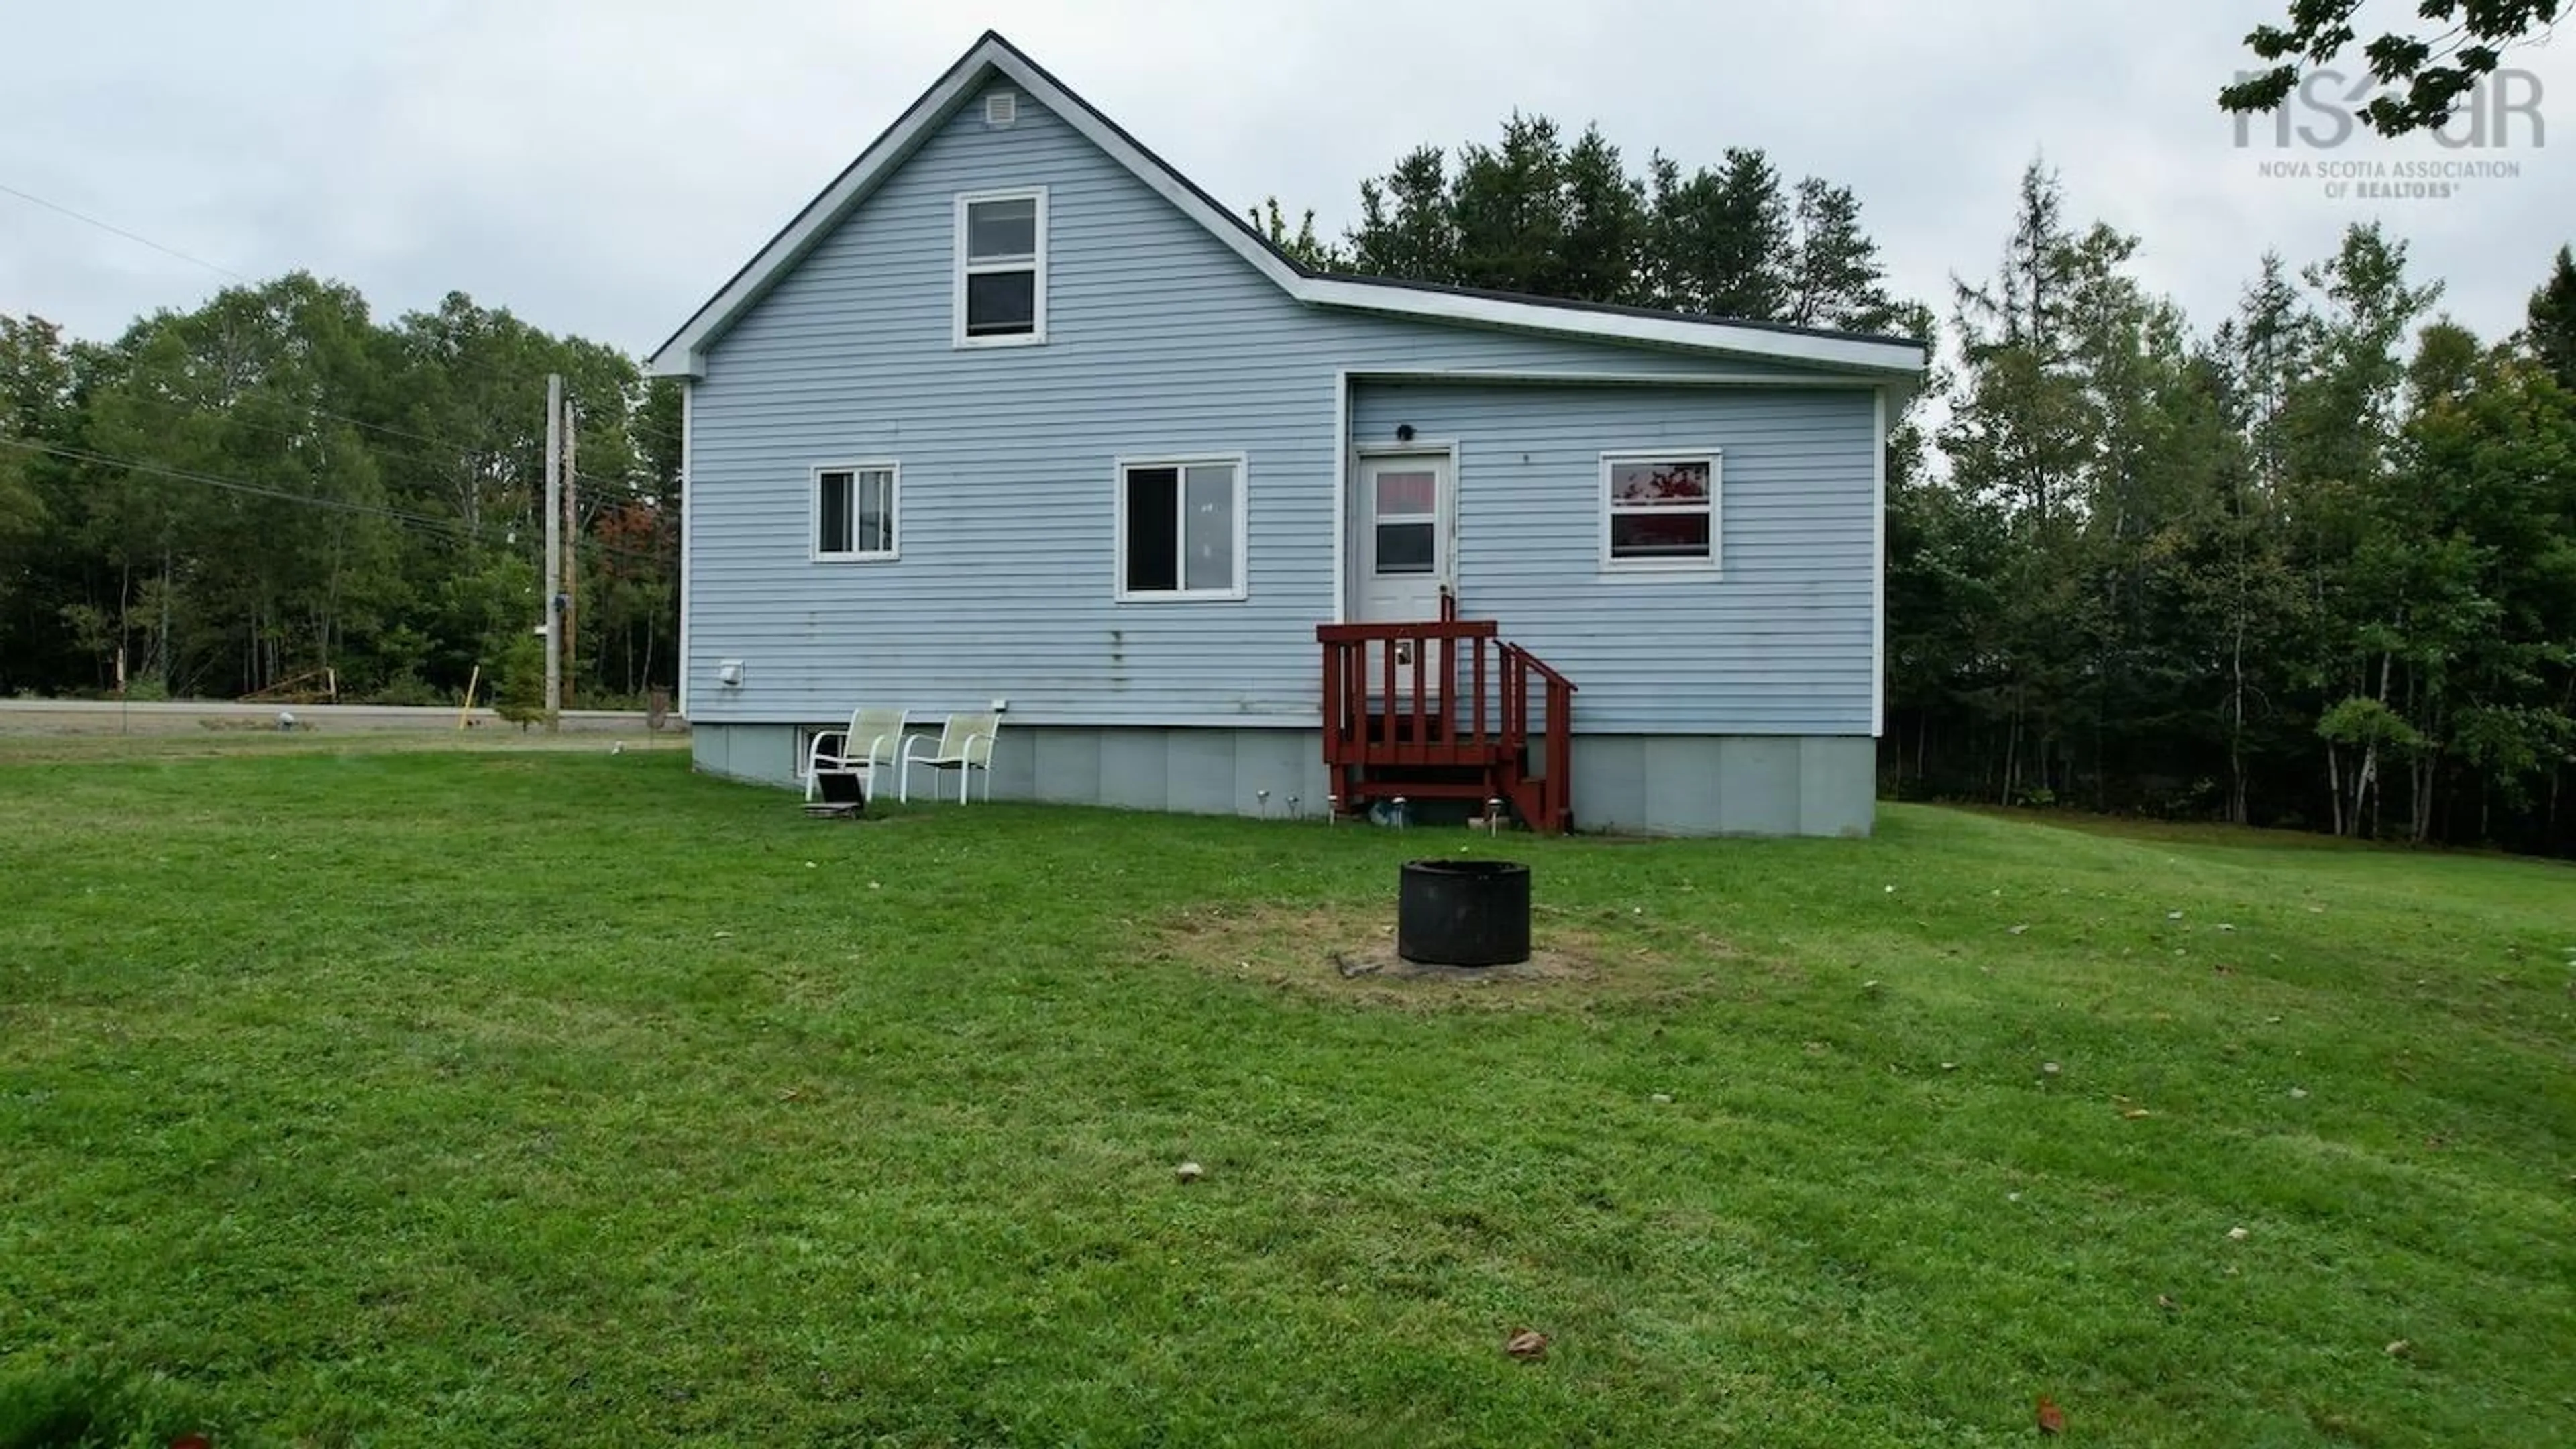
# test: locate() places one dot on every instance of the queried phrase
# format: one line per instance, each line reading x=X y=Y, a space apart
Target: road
x=95 y=717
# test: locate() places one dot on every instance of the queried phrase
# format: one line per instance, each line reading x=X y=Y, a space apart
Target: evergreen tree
x=520 y=696
x=1508 y=209
x=1408 y=226
x=1300 y=245
x=1533 y=215
x=2551 y=330
x=1603 y=253
x=1724 y=238
x=1834 y=276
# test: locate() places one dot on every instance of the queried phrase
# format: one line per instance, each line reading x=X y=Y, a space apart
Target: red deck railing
x=1554 y=807
x=1410 y=708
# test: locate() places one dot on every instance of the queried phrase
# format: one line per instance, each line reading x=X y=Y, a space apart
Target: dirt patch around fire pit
x=1348 y=953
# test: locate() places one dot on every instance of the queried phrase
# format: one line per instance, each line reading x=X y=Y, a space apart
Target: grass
x=382 y=1097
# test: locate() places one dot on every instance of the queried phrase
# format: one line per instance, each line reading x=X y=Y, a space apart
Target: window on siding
x=1659 y=510
x=1181 y=529
x=854 y=512
x=1001 y=268
x=1408 y=520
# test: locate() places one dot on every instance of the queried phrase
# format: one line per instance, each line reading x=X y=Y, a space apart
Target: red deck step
x=1404 y=699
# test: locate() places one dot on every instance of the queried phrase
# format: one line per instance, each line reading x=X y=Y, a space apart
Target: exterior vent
x=1001 y=108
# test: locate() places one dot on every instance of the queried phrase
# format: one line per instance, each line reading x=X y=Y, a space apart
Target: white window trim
x=1119 y=468
x=1666 y=567
x=957 y=293
x=815 y=551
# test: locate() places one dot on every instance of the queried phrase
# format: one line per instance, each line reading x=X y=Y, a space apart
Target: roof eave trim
x=1695 y=334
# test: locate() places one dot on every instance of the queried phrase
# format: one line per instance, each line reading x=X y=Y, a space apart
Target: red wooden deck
x=1446 y=709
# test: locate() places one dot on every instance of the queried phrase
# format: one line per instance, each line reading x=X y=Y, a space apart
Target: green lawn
x=449 y=1099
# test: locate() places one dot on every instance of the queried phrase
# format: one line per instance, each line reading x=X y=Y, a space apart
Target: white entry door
x=1404 y=513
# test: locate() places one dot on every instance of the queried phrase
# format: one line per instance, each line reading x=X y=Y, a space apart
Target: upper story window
x=1659 y=511
x=854 y=513
x=1001 y=268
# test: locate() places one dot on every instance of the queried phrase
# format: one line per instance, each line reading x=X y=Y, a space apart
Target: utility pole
x=571 y=655
x=554 y=548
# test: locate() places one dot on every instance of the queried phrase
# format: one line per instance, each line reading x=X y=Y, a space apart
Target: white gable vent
x=1001 y=108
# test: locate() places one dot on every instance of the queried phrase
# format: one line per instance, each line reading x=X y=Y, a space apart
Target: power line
x=636 y=424
x=633 y=424
x=623 y=486
x=236 y=485
x=454 y=527
x=620 y=490
x=230 y=414
x=56 y=206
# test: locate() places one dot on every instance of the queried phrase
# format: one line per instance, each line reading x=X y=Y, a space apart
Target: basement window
x=1659 y=511
x=1180 y=529
x=1001 y=268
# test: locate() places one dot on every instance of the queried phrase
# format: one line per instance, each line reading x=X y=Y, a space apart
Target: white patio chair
x=873 y=738
x=965 y=745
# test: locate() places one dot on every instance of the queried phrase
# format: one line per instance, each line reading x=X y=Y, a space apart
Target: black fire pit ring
x=1463 y=913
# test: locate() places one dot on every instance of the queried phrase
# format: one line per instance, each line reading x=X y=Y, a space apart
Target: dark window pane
x=1153 y=562
x=1404 y=548
x=835 y=515
x=1659 y=535
x=1001 y=304
x=1001 y=230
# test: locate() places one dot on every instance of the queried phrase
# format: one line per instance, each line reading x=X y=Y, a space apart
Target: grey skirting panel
x=1648 y=784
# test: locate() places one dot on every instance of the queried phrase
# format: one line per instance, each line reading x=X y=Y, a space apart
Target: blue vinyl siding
x=1778 y=641
x=1160 y=342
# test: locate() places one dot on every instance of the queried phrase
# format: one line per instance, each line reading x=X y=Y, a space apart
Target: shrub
x=520 y=697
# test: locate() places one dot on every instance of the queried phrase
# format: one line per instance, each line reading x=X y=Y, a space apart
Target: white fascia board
x=1695 y=334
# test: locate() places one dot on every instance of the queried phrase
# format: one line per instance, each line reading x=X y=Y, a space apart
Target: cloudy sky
x=600 y=168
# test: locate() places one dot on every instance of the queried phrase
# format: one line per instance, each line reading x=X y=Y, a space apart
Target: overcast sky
x=601 y=168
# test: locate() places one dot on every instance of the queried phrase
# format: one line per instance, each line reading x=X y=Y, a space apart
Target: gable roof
x=684 y=354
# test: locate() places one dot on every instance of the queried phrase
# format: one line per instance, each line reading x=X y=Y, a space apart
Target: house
x=1014 y=411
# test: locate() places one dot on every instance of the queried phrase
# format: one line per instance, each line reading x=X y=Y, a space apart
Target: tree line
x=2314 y=565
x=275 y=485
x=2309 y=564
